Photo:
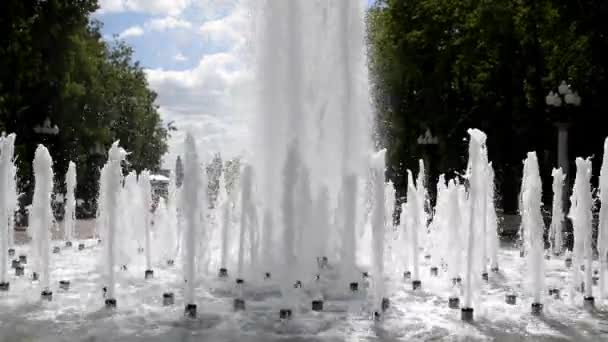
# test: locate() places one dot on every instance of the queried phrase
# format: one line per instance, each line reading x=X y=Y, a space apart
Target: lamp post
x=46 y=128
x=427 y=141
x=562 y=103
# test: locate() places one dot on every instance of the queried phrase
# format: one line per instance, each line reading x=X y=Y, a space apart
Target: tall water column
x=602 y=239
x=41 y=215
x=557 y=212
x=475 y=177
x=193 y=192
x=378 y=227
x=146 y=206
x=7 y=149
x=69 y=218
x=581 y=215
x=535 y=227
x=112 y=177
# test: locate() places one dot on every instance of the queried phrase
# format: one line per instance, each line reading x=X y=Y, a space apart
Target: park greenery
x=55 y=64
x=449 y=65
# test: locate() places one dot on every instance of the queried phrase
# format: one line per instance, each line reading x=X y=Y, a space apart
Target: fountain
x=326 y=227
x=414 y=204
x=41 y=217
x=69 y=217
x=557 y=213
x=534 y=227
x=246 y=224
x=378 y=228
x=602 y=240
x=580 y=213
x=492 y=222
x=455 y=248
x=226 y=204
x=7 y=204
x=192 y=202
x=475 y=176
x=111 y=178
x=146 y=203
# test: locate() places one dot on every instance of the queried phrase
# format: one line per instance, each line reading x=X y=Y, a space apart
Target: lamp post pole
x=428 y=141
x=562 y=103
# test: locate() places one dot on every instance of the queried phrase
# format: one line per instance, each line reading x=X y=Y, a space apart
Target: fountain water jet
x=557 y=212
x=492 y=222
x=192 y=202
x=534 y=227
x=69 y=218
x=378 y=227
x=414 y=203
x=7 y=203
x=602 y=241
x=475 y=177
x=226 y=204
x=111 y=178
x=246 y=222
x=42 y=216
x=290 y=177
x=581 y=215
x=146 y=203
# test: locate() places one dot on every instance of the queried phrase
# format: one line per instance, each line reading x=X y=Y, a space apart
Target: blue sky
x=192 y=51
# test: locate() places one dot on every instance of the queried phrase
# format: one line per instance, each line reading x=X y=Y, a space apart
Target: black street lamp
x=561 y=104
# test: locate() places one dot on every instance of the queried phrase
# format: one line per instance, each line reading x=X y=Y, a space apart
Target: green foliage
x=448 y=65
x=55 y=64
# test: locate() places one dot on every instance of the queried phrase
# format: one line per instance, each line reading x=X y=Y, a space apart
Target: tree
x=448 y=65
x=57 y=66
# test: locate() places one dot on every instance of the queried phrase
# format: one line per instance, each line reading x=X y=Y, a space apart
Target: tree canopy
x=55 y=64
x=449 y=65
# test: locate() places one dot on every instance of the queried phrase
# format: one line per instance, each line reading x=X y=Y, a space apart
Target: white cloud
x=201 y=100
x=228 y=30
x=180 y=57
x=154 y=7
x=206 y=99
x=156 y=24
x=133 y=31
x=167 y=23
